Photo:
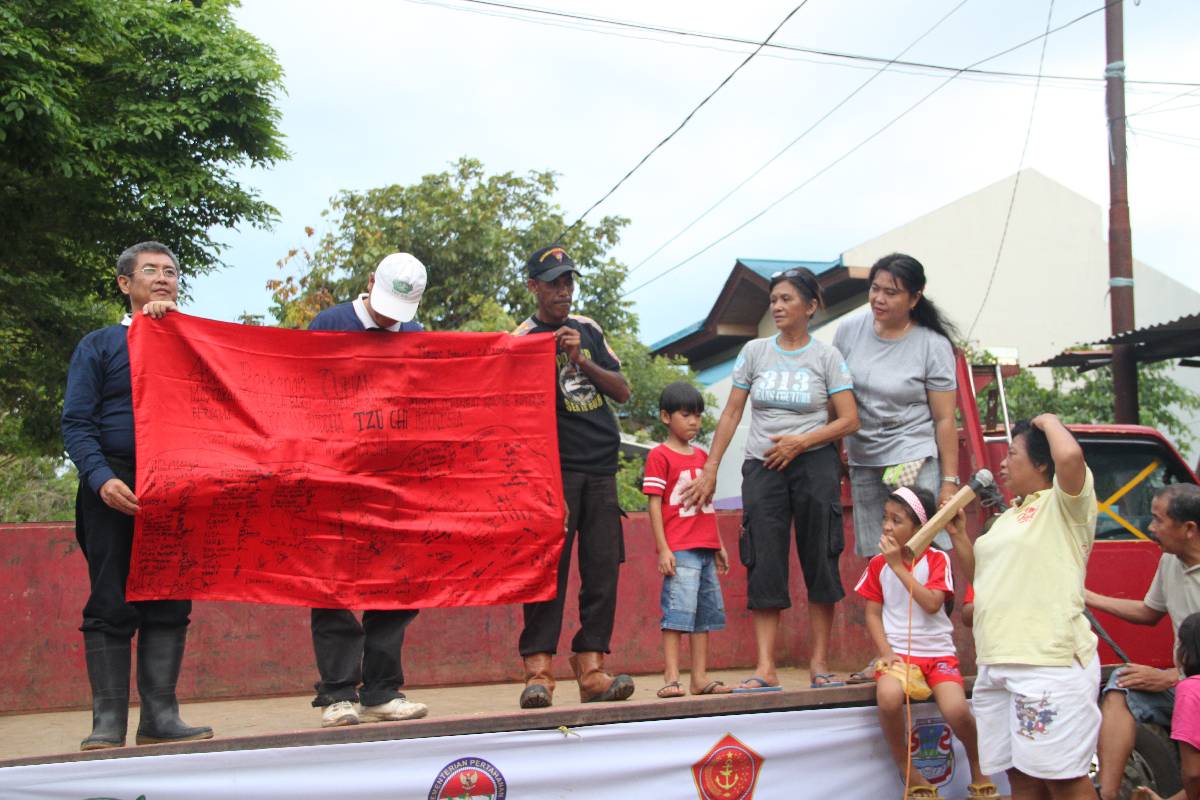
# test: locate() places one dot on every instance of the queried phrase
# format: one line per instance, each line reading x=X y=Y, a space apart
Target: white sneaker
x=338 y=714
x=393 y=710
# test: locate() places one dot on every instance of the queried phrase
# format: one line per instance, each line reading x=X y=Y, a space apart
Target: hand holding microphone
x=946 y=514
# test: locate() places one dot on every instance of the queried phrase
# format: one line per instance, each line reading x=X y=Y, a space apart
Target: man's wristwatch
x=952 y=479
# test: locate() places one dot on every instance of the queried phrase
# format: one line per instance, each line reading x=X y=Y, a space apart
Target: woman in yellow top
x=1039 y=677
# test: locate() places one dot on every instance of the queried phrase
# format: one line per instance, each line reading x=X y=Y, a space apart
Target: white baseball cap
x=399 y=283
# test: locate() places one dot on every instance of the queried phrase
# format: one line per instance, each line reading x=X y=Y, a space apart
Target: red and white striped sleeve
x=655 y=480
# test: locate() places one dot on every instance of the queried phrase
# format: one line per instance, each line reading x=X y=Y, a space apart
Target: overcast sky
x=385 y=92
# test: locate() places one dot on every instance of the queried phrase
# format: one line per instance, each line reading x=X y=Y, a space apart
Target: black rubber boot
x=160 y=655
x=108 y=672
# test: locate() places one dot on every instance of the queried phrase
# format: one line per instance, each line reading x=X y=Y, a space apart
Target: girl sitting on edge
x=919 y=656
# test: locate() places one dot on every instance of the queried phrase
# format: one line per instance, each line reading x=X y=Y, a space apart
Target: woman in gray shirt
x=791 y=473
x=903 y=364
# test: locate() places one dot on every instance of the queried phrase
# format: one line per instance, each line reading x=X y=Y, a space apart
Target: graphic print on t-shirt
x=578 y=391
x=784 y=387
x=685 y=479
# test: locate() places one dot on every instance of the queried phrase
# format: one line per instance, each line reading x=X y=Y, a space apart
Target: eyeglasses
x=788 y=273
x=170 y=273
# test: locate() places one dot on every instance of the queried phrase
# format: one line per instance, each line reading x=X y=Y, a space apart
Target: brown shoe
x=539 y=681
x=596 y=685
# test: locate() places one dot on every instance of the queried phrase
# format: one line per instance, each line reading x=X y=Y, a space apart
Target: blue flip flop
x=824 y=682
x=762 y=686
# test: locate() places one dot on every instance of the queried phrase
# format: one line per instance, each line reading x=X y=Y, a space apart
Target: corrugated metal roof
x=1179 y=338
x=1152 y=333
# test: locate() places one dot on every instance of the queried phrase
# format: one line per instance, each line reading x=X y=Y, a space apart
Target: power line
x=789 y=146
x=1170 y=99
x=682 y=32
x=1012 y=199
x=686 y=120
x=1168 y=138
x=1169 y=134
x=1161 y=110
x=861 y=144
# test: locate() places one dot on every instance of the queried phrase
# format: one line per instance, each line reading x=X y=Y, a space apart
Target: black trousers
x=105 y=537
x=349 y=654
x=806 y=497
x=595 y=520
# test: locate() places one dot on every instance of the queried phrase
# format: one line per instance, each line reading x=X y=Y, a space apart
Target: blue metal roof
x=766 y=267
x=677 y=335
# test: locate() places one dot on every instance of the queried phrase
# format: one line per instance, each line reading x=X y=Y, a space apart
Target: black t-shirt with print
x=588 y=437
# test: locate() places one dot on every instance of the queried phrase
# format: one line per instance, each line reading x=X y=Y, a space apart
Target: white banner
x=793 y=754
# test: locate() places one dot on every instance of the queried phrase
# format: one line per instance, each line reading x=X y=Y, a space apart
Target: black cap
x=548 y=263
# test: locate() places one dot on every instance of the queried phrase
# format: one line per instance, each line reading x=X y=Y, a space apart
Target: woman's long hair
x=910 y=274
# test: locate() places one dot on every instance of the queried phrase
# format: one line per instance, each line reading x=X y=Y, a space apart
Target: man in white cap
x=348 y=653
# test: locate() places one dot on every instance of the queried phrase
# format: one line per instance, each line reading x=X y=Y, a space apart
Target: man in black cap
x=588 y=439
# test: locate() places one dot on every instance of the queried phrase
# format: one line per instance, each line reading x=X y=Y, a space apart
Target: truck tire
x=1154 y=763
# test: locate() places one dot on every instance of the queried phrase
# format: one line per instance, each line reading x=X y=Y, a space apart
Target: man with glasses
x=350 y=653
x=587 y=371
x=97 y=426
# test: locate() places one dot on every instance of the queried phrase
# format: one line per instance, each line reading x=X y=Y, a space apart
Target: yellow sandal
x=984 y=790
x=924 y=793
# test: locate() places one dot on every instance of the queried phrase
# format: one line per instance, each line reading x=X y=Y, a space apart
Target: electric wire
x=682 y=32
x=686 y=120
x=1012 y=198
x=1167 y=138
x=795 y=141
x=1167 y=134
x=1063 y=83
x=1171 y=99
x=862 y=143
x=1161 y=110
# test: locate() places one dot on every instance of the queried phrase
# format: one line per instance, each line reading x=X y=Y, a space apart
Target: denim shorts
x=1153 y=707
x=691 y=598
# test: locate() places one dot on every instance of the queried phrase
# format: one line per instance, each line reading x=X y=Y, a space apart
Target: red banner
x=343 y=470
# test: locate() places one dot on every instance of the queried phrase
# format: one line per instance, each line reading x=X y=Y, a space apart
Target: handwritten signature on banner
x=343 y=470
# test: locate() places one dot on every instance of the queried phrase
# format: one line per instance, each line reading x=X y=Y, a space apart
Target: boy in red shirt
x=690 y=553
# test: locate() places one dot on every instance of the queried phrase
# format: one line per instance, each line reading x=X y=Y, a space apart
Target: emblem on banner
x=931 y=747
x=469 y=779
x=728 y=771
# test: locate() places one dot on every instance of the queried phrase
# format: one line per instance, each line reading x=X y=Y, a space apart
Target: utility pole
x=1120 y=243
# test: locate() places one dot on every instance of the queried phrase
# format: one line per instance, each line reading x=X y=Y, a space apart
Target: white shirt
x=364 y=316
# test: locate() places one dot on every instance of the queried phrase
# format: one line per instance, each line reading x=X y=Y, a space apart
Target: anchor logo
x=729 y=771
x=727 y=777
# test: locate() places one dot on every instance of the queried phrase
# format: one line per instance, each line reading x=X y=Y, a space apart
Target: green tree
x=37 y=489
x=120 y=120
x=473 y=232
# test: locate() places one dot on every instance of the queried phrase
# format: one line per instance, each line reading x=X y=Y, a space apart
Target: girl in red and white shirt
x=926 y=642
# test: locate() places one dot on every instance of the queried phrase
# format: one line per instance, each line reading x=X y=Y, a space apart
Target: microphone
x=962 y=498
